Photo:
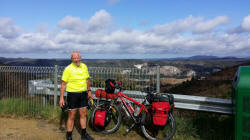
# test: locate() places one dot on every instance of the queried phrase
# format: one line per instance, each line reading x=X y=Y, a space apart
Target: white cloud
x=244 y=27
x=71 y=23
x=91 y=36
x=8 y=29
x=194 y=24
x=209 y=25
x=42 y=27
x=246 y=23
x=101 y=19
x=178 y=26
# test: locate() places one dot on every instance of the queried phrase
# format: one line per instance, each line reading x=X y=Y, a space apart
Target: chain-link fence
x=32 y=89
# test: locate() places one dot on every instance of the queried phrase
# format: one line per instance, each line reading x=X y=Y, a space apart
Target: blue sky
x=124 y=28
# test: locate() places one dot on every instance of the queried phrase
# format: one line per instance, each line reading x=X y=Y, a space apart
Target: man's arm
x=63 y=86
x=89 y=89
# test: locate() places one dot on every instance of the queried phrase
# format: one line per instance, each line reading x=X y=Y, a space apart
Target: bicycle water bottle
x=137 y=111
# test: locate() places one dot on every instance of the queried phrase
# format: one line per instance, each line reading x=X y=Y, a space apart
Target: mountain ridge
x=172 y=58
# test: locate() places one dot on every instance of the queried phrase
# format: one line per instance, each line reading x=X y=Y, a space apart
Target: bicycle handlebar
x=119 y=85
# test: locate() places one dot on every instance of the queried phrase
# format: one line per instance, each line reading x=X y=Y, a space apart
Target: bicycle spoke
x=114 y=120
x=159 y=132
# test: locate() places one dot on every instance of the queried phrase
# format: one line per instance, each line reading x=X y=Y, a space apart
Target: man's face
x=76 y=60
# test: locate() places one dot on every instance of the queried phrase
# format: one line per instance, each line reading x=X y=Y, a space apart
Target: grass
x=27 y=108
x=214 y=126
x=190 y=126
x=203 y=126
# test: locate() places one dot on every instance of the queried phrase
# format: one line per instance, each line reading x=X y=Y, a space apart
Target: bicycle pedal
x=129 y=129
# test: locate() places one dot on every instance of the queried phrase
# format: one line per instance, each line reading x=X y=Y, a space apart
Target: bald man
x=75 y=80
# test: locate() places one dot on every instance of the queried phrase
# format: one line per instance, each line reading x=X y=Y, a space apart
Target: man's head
x=76 y=58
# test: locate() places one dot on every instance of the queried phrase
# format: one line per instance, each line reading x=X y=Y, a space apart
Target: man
x=75 y=80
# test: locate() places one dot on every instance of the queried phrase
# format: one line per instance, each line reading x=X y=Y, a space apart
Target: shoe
x=87 y=137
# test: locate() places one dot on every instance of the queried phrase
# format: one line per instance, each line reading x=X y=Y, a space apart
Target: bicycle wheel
x=153 y=132
x=114 y=123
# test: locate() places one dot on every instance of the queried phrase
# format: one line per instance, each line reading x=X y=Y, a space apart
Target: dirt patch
x=11 y=129
x=30 y=129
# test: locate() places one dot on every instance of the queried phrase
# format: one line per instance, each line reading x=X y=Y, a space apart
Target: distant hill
x=46 y=62
x=206 y=57
x=12 y=83
x=196 y=57
x=218 y=84
x=200 y=65
x=227 y=73
x=1 y=64
x=199 y=57
x=33 y=62
x=65 y=62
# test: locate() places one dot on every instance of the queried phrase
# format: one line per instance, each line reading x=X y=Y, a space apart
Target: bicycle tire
x=171 y=122
x=102 y=129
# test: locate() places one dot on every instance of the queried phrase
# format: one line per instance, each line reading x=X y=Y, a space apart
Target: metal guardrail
x=208 y=104
x=197 y=103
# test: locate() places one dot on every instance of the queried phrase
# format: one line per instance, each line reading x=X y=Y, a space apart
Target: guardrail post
x=158 y=83
x=44 y=101
x=55 y=85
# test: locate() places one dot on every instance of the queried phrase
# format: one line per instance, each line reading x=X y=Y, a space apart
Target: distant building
x=191 y=73
x=126 y=71
x=216 y=70
x=169 y=70
x=202 y=78
x=139 y=66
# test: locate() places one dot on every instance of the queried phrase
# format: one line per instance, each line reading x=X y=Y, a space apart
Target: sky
x=124 y=29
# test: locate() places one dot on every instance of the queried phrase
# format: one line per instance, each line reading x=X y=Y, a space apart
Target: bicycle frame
x=121 y=96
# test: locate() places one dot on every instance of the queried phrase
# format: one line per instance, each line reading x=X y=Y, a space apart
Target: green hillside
x=218 y=84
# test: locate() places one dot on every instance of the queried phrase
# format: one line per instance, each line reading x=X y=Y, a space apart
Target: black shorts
x=77 y=100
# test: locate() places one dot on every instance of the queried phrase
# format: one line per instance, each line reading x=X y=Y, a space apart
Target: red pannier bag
x=100 y=118
x=102 y=94
x=160 y=112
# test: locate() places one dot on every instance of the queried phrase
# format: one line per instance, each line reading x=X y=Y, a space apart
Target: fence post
x=55 y=85
x=158 y=83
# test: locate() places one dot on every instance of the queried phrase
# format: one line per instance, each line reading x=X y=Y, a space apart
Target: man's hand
x=63 y=86
x=90 y=94
x=61 y=102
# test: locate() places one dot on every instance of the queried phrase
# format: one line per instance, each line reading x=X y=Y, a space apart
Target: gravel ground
x=30 y=129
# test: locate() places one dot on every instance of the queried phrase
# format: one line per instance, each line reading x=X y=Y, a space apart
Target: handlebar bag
x=110 y=85
x=103 y=94
x=160 y=112
x=101 y=118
